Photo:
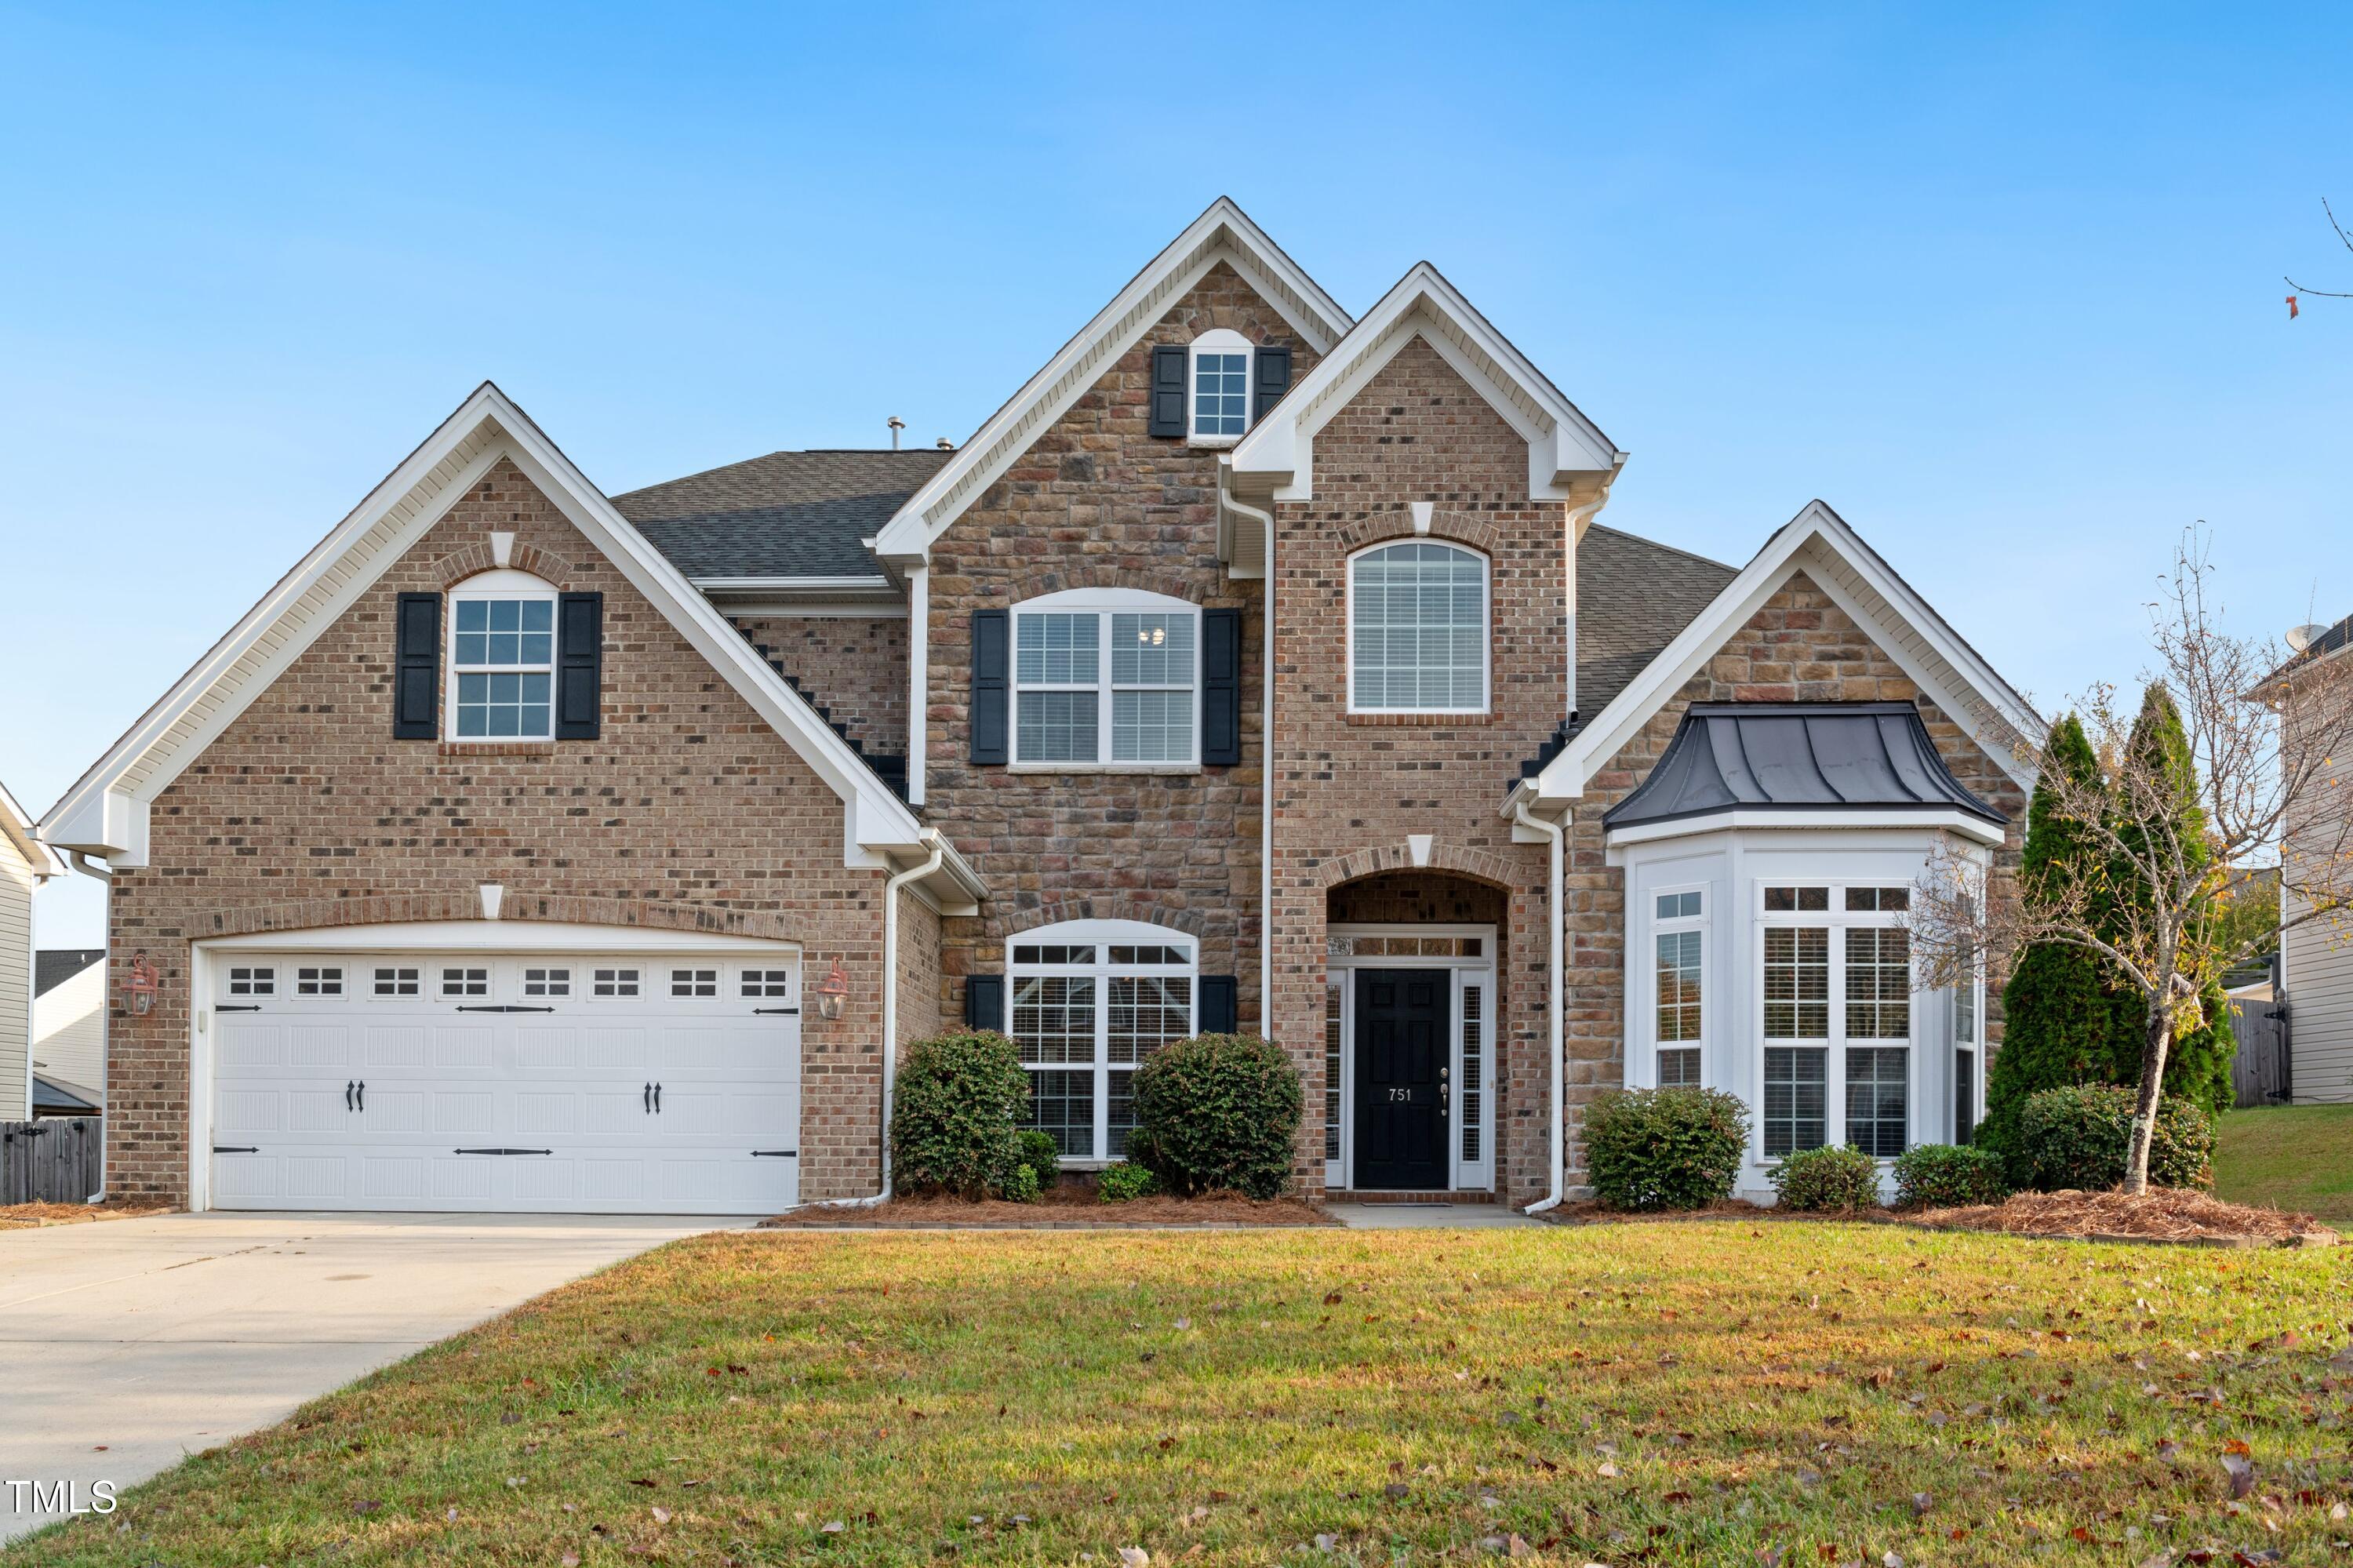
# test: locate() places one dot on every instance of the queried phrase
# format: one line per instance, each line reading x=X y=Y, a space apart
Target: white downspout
x=891 y=1004
x=1555 y=917
x=1265 y=758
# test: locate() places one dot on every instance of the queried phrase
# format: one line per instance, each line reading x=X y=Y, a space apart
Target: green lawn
x=2290 y=1157
x=1648 y=1392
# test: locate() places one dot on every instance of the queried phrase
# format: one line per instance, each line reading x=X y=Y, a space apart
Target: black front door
x=1401 y=1078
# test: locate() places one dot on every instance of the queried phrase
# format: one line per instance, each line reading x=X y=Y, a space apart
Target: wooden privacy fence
x=2261 y=1070
x=53 y=1161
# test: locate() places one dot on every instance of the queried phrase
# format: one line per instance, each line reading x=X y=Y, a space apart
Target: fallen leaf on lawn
x=2239 y=1446
x=1889 y=1560
x=2242 y=1475
x=1135 y=1557
x=1326 y=1542
x=662 y=1515
x=1770 y=1556
x=1607 y=1471
x=832 y=1526
x=1921 y=1503
x=570 y=1560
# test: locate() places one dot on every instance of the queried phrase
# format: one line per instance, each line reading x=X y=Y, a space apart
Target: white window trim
x=1487 y=626
x=1469 y=1176
x=1838 y=918
x=1708 y=1000
x=1100 y=935
x=503 y=582
x=1220 y=340
x=1101 y=603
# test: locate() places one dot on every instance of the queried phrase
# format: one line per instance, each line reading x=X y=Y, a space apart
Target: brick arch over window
x=518 y=908
x=1112 y=578
x=1482 y=865
x=1454 y=527
x=1107 y=907
x=453 y=569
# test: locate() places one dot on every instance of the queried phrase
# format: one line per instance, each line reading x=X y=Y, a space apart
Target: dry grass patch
x=1063 y=1207
x=2161 y=1215
x=25 y=1216
x=1792 y=1393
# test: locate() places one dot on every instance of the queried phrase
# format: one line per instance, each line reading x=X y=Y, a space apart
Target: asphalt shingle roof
x=787 y=515
x=1633 y=596
x=52 y=967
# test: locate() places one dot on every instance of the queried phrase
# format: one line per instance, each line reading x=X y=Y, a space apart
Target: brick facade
x=1098 y=503
x=855 y=667
x=690 y=813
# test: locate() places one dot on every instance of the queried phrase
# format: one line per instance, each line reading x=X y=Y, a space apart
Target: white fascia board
x=1815 y=538
x=1944 y=820
x=492 y=937
x=817 y=586
x=1563 y=444
x=17 y=827
x=1222 y=233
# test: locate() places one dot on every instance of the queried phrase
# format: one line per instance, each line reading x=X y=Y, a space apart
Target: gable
x=1818 y=552
x=106 y=812
x=1223 y=235
x=1568 y=458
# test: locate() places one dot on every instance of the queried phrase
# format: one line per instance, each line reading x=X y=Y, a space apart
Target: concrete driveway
x=130 y=1343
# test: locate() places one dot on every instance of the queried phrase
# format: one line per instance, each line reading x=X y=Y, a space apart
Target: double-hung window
x=503 y=658
x=1090 y=1001
x=1219 y=393
x=1679 y=949
x=1418 y=629
x=1837 y=1010
x=1106 y=676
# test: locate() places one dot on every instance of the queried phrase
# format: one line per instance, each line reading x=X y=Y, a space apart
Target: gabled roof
x=1797 y=758
x=52 y=967
x=16 y=826
x=106 y=812
x=1818 y=543
x=1567 y=452
x=787 y=515
x=1222 y=233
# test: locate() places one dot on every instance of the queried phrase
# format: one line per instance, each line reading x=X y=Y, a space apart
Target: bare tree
x=2176 y=833
x=2295 y=288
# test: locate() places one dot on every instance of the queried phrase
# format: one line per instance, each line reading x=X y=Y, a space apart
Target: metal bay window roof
x=1798 y=758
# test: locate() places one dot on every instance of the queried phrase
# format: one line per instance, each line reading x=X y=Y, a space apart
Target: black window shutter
x=1272 y=365
x=579 y=665
x=1221 y=687
x=1220 y=1009
x=1169 y=390
x=991 y=637
x=416 y=666
x=984 y=1002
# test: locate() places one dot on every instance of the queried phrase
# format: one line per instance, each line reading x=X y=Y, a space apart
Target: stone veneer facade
x=690 y=813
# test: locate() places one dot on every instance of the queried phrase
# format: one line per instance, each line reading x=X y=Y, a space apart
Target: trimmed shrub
x=956 y=1107
x=1119 y=1183
x=1042 y=1157
x=1948 y=1176
x=2077 y=1137
x=1021 y=1186
x=1665 y=1148
x=1833 y=1178
x=1215 y=1113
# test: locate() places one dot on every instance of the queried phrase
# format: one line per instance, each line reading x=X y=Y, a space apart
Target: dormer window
x=1220 y=387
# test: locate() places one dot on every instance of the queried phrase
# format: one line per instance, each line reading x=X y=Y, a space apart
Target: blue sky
x=1999 y=284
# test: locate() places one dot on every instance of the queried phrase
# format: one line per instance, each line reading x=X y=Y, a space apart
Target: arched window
x=1221 y=381
x=1089 y=999
x=502 y=657
x=1418 y=629
x=1106 y=675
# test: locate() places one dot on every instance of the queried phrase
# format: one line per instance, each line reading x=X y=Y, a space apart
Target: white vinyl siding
x=16 y=884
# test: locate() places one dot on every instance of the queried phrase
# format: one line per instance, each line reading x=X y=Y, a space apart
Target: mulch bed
x=26 y=1216
x=2165 y=1214
x=1072 y=1206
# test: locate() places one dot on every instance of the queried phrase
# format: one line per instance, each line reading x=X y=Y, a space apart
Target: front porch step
x=1344 y=1195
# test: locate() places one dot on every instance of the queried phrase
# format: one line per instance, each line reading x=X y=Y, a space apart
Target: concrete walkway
x=1419 y=1216
x=130 y=1343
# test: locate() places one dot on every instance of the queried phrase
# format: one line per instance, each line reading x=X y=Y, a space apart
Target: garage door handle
x=347 y=1093
x=645 y=1098
x=794 y=1011
x=775 y=1154
x=506 y=1007
x=363 y=1095
x=503 y=1151
x=235 y=1148
x=237 y=1007
x=657 y=1099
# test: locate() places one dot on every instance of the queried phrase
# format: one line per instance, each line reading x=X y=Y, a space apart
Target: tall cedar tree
x=2198 y=1068
x=2056 y=1014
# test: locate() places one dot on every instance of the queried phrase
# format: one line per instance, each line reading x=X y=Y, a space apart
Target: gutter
x=939 y=852
x=1555 y=917
x=1265 y=757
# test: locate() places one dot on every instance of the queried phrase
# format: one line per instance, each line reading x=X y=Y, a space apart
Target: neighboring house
x=1255 y=666
x=70 y=1031
x=25 y=863
x=2315 y=966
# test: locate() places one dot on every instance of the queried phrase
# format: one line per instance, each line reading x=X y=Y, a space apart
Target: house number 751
x=1405 y=1095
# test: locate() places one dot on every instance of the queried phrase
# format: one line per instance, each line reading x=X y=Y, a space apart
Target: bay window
x=1837 y=1010
x=1679 y=948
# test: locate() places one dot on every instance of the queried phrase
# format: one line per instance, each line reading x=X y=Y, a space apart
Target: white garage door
x=597 y=1084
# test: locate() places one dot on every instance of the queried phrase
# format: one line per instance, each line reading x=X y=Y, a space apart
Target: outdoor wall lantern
x=832 y=991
